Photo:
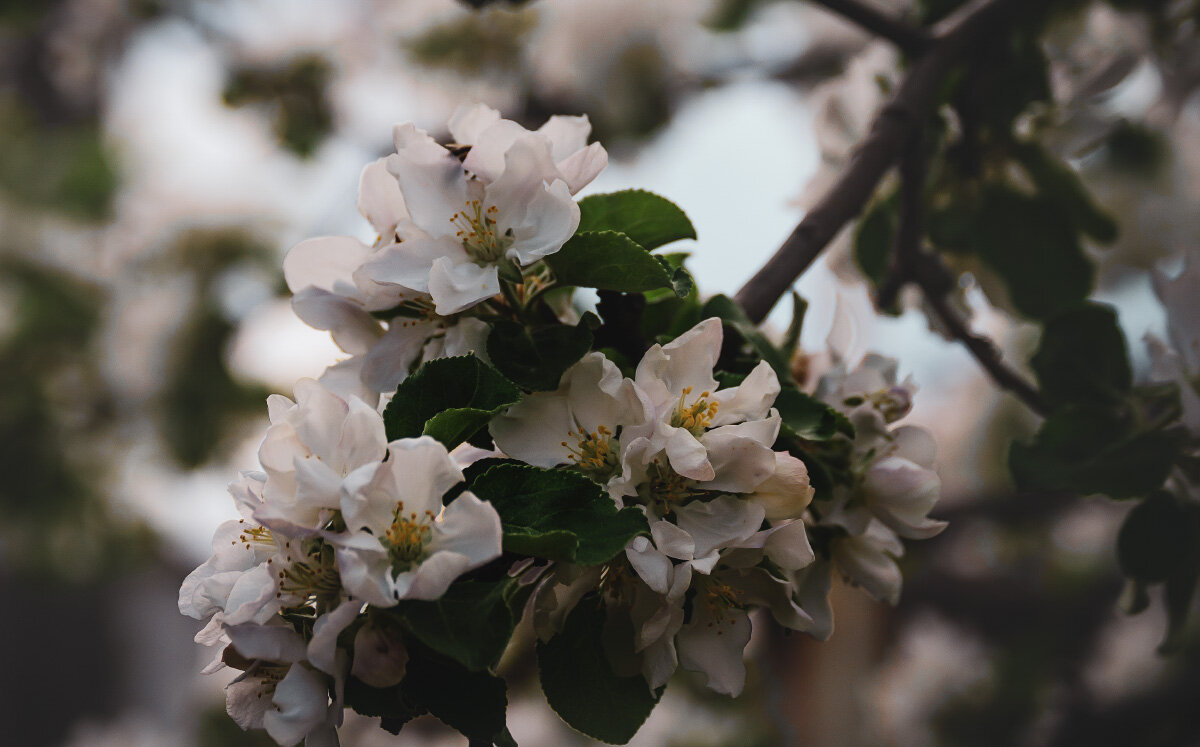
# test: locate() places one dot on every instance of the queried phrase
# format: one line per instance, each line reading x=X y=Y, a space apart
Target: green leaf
x=1156 y=538
x=536 y=357
x=1084 y=449
x=1037 y=253
x=557 y=514
x=809 y=418
x=607 y=260
x=449 y=399
x=474 y=703
x=649 y=220
x=580 y=684
x=1082 y=358
x=732 y=316
x=681 y=280
x=1060 y=184
x=471 y=623
x=874 y=236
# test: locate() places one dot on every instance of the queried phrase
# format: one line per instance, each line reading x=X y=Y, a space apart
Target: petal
x=491 y=144
x=654 y=568
x=457 y=286
x=901 y=494
x=469 y=121
x=533 y=430
x=301 y=705
x=365 y=568
x=433 y=576
x=580 y=168
x=688 y=456
x=363 y=439
x=322 y=649
x=750 y=400
x=432 y=181
x=788 y=546
x=566 y=134
x=389 y=361
x=741 y=455
x=714 y=647
x=275 y=643
x=326 y=262
x=787 y=492
x=719 y=523
x=408 y=263
x=468 y=527
x=673 y=541
x=550 y=219
x=352 y=328
x=245 y=702
x=380 y=659
x=868 y=560
x=380 y=200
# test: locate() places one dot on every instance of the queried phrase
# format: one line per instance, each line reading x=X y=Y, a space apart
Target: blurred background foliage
x=158 y=158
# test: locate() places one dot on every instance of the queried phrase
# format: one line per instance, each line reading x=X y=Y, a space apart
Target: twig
x=981 y=347
x=910 y=39
x=908 y=234
x=913 y=98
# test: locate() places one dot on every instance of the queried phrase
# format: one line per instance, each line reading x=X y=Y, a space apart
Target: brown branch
x=906 y=252
x=911 y=39
x=916 y=94
x=936 y=291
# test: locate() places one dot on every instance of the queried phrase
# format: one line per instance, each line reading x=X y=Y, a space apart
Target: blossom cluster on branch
x=637 y=478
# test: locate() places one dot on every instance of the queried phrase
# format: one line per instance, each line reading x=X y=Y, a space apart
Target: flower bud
x=785 y=494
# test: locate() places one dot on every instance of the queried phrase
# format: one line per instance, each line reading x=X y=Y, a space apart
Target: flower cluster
x=639 y=503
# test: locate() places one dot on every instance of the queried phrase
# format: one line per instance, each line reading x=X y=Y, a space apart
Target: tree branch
x=910 y=39
x=951 y=38
x=981 y=347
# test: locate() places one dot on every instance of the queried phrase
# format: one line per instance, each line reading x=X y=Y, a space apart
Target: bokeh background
x=159 y=157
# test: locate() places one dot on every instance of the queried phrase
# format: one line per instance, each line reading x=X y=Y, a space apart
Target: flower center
x=593 y=452
x=892 y=403
x=307 y=575
x=405 y=539
x=259 y=538
x=665 y=488
x=717 y=598
x=479 y=234
x=697 y=416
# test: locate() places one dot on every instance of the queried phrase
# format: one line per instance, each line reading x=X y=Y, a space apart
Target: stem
x=916 y=94
x=910 y=39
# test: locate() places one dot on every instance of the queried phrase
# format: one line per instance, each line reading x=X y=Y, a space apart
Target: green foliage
x=449 y=399
x=536 y=357
x=1081 y=358
x=477 y=43
x=296 y=94
x=1059 y=185
x=65 y=169
x=474 y=703
x=581 y=686
x=874 y=236
x=1089 y=449
x=557 y=514
x=607 y=260
x=807 y=417
x=471 y=623
x=1159 y=536
x=647 y=219
x=1037 y=253
x=735 y=319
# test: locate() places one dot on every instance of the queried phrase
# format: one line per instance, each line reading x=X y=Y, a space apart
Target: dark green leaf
x=1156 y=538
x=471 y=702
x=733 y=317
x=449 y=399
x=607 y=260
x=536 y=357
x=471 y=623
x=649 y=220
x=1082 y=358
x=580 y=684
x=1036 y=252
x=1058 y=183
x=1087 y=450
x=873 y=238
x=557 y=514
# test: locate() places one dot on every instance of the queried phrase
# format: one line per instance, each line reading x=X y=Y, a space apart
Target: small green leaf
x=809 y=418
x=557 y=514
x=649 y=220
x=471 y=623
x=536 y=357
x=732 y=316
x=1082 y=358
x=607 y=260
x=580 y=684
x=1059 y=183
x=791 y=338
x=449 y=399
x=1083 y=449
x=1156 y=538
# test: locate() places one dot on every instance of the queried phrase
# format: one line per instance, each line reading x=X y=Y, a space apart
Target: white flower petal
x=431 y=180
x=457 y=286
x=469 y=121
x=326 y=262
x=714 y=647
x=380 y=200
x=301 y=706
x=322 y=649
x=274 y=643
